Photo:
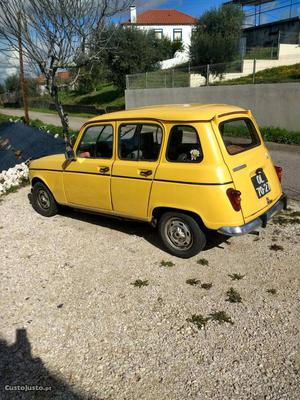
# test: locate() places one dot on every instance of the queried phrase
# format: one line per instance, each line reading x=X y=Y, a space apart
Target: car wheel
x=43 y=201
x=181 y=234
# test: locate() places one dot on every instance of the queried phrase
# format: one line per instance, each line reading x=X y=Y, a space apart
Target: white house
x=174 y=24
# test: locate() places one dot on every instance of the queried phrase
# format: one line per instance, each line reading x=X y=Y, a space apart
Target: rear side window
x=140 y=142
x=239 y=135
x=184 y=145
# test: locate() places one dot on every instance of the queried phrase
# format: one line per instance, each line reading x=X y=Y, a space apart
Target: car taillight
x=235 y=198
x=279 y=172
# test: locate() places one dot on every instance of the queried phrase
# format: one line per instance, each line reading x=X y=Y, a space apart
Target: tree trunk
x=63 y=117
x=53 y=91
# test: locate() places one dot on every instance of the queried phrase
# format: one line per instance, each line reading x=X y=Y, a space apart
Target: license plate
x=261 y=184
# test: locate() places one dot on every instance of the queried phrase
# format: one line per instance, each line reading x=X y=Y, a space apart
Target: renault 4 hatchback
x=187 y=169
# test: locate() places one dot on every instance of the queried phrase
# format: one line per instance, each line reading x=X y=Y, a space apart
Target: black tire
x=43 y=201
x=181 y=234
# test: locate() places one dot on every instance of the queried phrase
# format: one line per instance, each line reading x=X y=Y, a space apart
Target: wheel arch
x=37 y=179
x=157 y=212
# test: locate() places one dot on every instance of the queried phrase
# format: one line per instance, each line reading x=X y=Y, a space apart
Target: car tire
x=181 y=234
x=43 y=201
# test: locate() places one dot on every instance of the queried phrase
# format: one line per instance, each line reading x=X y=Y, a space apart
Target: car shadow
x=133 y=227
x=24 y=377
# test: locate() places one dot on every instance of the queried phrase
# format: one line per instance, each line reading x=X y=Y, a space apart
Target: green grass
x=280 y=135
x=287 y=73
x=105 y=95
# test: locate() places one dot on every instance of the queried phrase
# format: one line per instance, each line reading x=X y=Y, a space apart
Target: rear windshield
x=239 y=135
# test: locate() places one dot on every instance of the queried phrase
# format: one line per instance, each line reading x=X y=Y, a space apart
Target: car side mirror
x=69 y=154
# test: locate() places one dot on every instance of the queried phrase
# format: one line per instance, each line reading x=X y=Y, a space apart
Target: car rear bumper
x=258 y=222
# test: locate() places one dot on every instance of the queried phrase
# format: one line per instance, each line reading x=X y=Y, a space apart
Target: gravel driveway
x=72 y=321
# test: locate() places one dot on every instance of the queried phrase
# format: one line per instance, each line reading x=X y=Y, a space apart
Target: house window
x=158 y=33
x=177 y=34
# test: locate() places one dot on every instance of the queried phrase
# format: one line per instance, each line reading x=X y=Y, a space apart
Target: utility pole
x=23 y=83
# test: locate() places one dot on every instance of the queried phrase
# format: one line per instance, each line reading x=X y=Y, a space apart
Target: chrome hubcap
x=43 y=199
x=178 y=234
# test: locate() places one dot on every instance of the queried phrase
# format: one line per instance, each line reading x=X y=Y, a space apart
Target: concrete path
x=75 y=122
x=286 y=156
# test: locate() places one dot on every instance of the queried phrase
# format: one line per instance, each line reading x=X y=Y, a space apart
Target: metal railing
x=237 y=72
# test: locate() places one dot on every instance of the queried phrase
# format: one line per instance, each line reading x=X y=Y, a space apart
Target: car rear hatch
x=249 y=163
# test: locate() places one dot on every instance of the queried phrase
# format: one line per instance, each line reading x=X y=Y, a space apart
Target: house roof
x=63 y=76
x=163 y=17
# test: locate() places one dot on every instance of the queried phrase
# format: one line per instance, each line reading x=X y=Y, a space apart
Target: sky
x=192 y=7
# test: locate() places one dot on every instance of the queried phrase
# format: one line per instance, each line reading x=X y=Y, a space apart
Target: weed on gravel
x=195 y=282
x=139 y=283
x=220 y=317
x=236 y=277
x=198 y=320
x=164 y=263
x=276 y=247
x=233 y=296
x=202 y=261
x=192 y=281
x=206 y=286
x=271 y=291
x=287 y=219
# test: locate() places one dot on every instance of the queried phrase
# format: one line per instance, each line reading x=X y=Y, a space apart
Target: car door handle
x=103 y=170
x=146 y=172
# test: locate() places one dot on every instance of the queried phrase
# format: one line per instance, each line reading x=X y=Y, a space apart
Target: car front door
x=134 y=169
x=87 y=179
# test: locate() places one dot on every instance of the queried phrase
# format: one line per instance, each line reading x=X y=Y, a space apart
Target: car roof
x=172 y=112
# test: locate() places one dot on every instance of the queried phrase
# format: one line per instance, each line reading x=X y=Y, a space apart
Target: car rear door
x=134 y=169
x=249 y=163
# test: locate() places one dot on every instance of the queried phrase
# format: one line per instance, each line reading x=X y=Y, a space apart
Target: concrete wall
x=272 y=104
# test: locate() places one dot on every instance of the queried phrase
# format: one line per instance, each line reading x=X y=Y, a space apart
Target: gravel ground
x=71 y=319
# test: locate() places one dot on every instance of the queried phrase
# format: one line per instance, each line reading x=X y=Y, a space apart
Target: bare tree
x=58 y=35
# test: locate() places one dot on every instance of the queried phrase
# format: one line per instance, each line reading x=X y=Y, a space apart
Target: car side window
x=140 y=142
x=96 y=142
x=184 y=145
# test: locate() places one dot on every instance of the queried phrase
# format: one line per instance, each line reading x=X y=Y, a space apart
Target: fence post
x=146 y=79
x=165 y=79
x=207 y=75
x=254 y=70
x=172 y=77
x=127 y=81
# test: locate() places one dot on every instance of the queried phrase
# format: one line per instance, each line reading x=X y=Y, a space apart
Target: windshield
x=239 y=135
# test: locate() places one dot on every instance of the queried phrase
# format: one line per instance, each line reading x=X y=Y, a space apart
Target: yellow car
x=187 y=169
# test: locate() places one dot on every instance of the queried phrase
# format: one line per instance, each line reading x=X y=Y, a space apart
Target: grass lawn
x=106 y=95
x=287 y=73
